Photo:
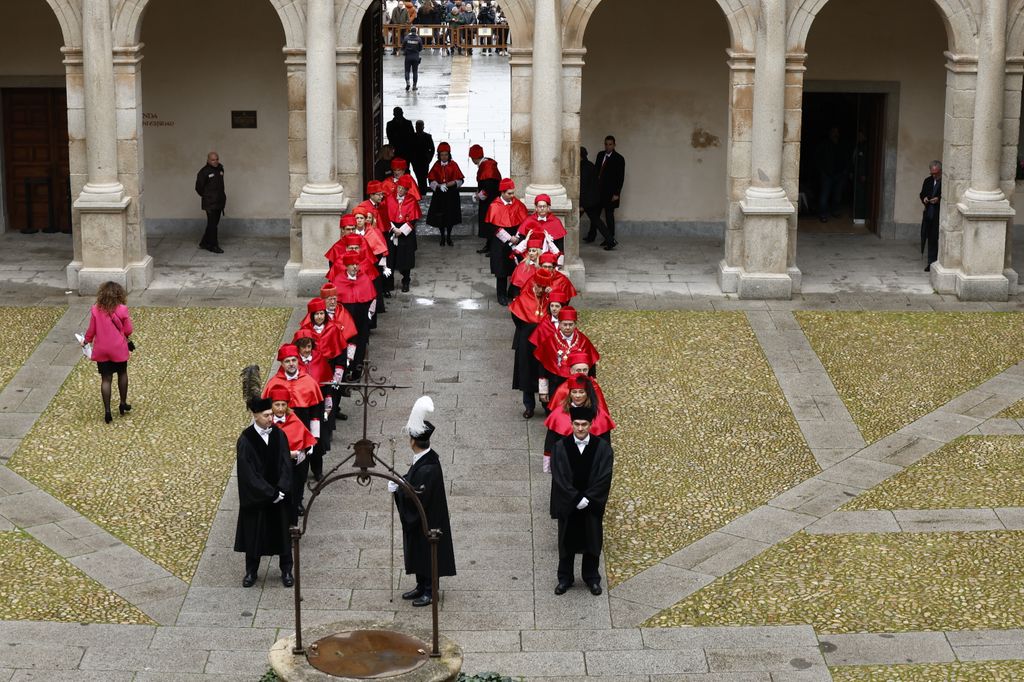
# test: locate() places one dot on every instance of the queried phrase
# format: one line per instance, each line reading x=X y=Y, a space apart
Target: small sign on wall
x=243 y=119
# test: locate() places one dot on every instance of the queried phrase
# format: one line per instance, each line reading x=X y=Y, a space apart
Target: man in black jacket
x=423 y=154
x=427 y=481
x=264 y=480
x=581 y=478
x=931 y=195
x=611 y=174
x=400 y=134
x=412 y=45
x=210 y=186
x=590 y=200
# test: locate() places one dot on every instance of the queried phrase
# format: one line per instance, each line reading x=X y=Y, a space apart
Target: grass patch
x=892 y=368
x=969 y=472
x=21 y=330
x=971 y=671
x=704 y=432
x=37 y=584
x=891 y=582
x=154 y=478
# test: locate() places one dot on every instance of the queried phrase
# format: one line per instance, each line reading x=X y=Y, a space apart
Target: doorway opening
x=842 y=162
x=37 y=175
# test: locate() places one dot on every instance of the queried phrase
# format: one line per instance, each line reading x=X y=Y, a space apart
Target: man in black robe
x=581 y=478
x=427 y=480
x=264 y=479
x=931 y=196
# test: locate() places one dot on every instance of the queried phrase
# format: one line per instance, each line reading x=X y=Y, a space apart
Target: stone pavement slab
x=886 y=649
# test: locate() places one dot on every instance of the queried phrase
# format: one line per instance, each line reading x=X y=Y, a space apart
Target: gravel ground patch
x=892 y=368
x=154 y=477
x=893 y=582
x=974 y=671
x=37 y=584
x=1015 y=411
x=969 y=472
x=704 y=432
x=21 y=330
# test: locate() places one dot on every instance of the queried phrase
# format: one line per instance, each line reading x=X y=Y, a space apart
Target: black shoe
x=483 y=250
x=341 y=416
x=203 y=245
x=387 y=294
x=611 y=247
x=928 y=268
x=503 y=301
x=287 y=579
x=215 y=249
x=407 y=87
x=301 y=510
x=124 y=407
x=107 y=417
x=425 y=600
x=595 y=588
x=405 y=286
x=442 y=241
x=318 y=477
x=588 y=239
x=528 y=412
x=450 y=242
x=562 y=588
x=249 y=580
x=415 y=593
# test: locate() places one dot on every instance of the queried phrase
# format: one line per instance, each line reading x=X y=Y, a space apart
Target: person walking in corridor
x=210 y=186
x=412 y=45
x=931 y=196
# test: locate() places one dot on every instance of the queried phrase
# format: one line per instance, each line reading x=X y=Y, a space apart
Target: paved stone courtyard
x=448 y=338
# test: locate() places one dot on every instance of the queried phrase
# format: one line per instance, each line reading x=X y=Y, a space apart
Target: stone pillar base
x=134 y=277
x=765 y=286
x=104 y=225
x=728 y=277
x=576 y=273
x=318 y=216
x=1013 y=278
x=797 y=277
x=943 y=278
x=303 y=281
x=982 y=287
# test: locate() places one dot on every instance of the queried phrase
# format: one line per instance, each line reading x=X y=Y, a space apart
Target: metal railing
x=448 y=36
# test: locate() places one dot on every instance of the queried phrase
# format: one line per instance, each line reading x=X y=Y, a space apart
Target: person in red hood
x=300 y=446
x=505 y=215
x=307 y=401
x=404 y=211
x=577 y=391
x=529 y=309
x=488 y=180
x=399 y=170
x=554 y=351
x=524 y=271
x=357 y=295
x=549 y=261
x=445 y=205
x=544 y=221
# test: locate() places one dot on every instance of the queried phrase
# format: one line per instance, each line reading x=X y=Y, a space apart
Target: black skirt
x=402 y=256
x=525 y=369
x=445 y=208
x=108 y=367
x=502 y=264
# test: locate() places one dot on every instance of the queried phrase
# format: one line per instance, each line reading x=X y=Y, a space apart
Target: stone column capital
x=961 y=63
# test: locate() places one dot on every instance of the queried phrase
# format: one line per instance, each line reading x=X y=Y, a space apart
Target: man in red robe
x=300 y=446
x=560 y=282
x=404 y=211
x=488 y=179
x=553 y=353
x=529 y=309
x=359 y=298
x=306 y=398
x=399 y=170
x=543 y=221
x=505 y=215
x=524 y=271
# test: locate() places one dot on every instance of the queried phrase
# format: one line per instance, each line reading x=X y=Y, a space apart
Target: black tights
x=122 y=388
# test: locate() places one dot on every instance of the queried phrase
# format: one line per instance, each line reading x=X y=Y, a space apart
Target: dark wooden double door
x=37 y=174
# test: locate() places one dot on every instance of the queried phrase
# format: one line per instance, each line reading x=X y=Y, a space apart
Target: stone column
x=741 y=104
x=546 y=123
x=103 y=203
x=1011 y=135
x=766 y=208
x=322 y=199
x=350 y=120
x=77 y=156
x=572 y=81
x=984 y=207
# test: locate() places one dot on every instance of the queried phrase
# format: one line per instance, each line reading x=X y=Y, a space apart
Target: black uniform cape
x=264 y=469
x=575 y=475
x=427 y=480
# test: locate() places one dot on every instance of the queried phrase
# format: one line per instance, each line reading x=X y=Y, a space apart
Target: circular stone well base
x=296 y=668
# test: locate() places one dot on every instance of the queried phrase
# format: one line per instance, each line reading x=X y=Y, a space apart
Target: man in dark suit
x=590 y=200
x=210 y=186
x=931 y=195
x=611 y=174
x=423 y=153
x=401 y=136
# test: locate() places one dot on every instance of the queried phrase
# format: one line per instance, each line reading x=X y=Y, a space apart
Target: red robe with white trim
x=553 y=353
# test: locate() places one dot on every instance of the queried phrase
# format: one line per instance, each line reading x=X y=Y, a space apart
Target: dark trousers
x=609 y=220
x=299 y=474
x=597 y=225
x=252 y=561
x=210 y=235
x=589 y=569
x=414 y=66
x=423 y=581
x=406 y=276
x=501 y=288
x=421 y=171
x=529 y=401
x=831 y=193
x=932 y=237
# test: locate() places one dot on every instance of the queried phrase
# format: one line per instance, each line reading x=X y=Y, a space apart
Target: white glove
x=351 y=351
x=443 y=188
x=339 y=376
x=386 y=271
x=280 y=496
x=301 y=458
x=481 y=195
x=383 y=262
x=433 y=185
x=373 y=309
x=583 y=503
x=314 y=428
x=392 y=487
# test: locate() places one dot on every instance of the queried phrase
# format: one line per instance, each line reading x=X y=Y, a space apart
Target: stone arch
x=128 y=16
x=350 y=19
x=70 y=20
x=957 y=16
x=738 y=15
x=1015 y=29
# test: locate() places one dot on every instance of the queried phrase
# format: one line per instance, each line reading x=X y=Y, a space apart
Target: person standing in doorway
x=611 y=175
x=590 y=199
x=422 y=153
x=210 y=186
x=931 y=196
x=412 y=45
x=831 y=163
x=400 y=134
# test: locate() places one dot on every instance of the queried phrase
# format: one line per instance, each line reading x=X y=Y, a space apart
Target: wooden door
x=36 y=168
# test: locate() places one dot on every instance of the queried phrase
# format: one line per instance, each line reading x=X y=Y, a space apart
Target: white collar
x=292 y=377
x=416 y=456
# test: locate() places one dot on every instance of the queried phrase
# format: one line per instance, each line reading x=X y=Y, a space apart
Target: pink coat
x=108 y=342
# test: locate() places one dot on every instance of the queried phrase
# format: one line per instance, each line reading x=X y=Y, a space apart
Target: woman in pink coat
x=109 y=329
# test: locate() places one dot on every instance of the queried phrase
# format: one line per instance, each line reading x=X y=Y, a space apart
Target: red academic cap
x=280 y=393
x=444 y=147
x=405 y=181
x=328 y=290
x=399 y=163
x=360 y=210
x=351 y=258
x=558 y=297
x=542 y=277
x=567 y=313
x=352 y=239
x=549 y=258
x=506 y=185
x=373 y=187
x=578 y=359
x=347 y=220
x=476 y=152
x=304 y=334
x=579 y=380
x=542 y=197
x=315 y=305
x=287 y=351
x=535 y=243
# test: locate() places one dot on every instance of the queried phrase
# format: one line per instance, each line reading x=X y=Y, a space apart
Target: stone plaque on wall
x=243 y=119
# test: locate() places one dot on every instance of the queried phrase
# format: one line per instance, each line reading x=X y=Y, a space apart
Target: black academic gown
x=575 y=475
x=264 y=469
x=426 y=476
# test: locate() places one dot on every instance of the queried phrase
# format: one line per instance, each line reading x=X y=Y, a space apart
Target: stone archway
x=1015 y=29
x=128 y=15
x=957 y=15
x=70 y=19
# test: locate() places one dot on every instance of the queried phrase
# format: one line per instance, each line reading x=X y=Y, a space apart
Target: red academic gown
x=299 y=437
x=560 y=422
x=553 y=353
x=333 y=338
x=522 y=274
x=388 y=185
x=381 y=211
x=506 y=219
x=564 y=284
x=317 y=367
x=552 y=225
x=357 y=296
x=445 y=207
x=403 y=251
x=306 y=398
x=488 y=178
x=527 y=311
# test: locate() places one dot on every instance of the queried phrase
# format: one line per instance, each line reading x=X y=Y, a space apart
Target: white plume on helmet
x=417 y=426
